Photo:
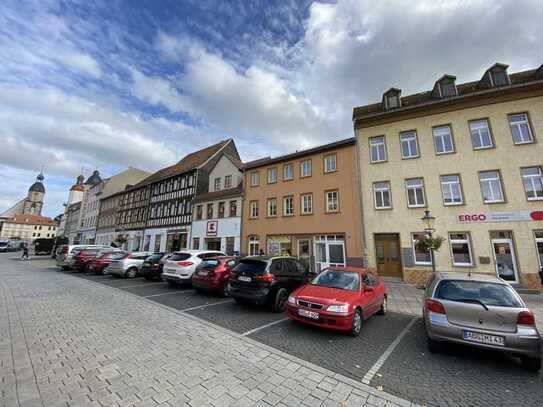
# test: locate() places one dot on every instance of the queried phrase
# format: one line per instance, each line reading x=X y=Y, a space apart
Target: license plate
x=246 y=279
x=484 y=338
x=202 y=273
x=308 y=314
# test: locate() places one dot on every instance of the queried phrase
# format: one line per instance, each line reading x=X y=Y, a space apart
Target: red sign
x=511 y=216
x=212 y=228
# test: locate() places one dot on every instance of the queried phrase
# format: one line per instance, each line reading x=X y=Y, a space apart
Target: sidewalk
x=71 y=342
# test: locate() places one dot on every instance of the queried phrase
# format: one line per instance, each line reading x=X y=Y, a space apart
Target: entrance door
x=329 y=251
x=303 y=251
x=504 y=259
x=387 y=254
x=213 y=244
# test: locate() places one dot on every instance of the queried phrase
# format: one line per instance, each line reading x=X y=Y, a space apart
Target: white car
x=128 y=266
x=180 y=266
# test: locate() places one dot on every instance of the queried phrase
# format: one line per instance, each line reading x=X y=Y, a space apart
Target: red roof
x=31 y=220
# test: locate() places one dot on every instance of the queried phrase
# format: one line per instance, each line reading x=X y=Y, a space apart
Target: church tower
x=76 y=191
x=33 y=203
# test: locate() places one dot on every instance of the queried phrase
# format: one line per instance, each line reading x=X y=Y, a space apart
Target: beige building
x=305 y=204
x=28 y=227
x=472 y=154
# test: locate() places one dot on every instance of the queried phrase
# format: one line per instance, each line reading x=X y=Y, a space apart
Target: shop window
x=419 y=256
x=461 y=249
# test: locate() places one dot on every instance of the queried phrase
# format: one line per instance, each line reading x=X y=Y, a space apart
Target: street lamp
x=428 y=219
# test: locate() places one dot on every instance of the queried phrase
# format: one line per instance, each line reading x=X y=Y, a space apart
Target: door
x=303 y=251
x=329 y=251
x=504 y=259
x=213 y=244
x=387 y=255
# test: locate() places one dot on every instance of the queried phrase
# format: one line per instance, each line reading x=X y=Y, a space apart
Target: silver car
x=128 y=266
x=483 y=311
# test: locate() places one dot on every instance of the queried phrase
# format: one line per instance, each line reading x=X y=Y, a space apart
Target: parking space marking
x=204 y=306
x=168 y=293
x=138 y=285
x=252 y=331
x=377 y=365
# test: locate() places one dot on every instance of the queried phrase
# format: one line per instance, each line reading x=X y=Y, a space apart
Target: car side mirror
x=369 y=289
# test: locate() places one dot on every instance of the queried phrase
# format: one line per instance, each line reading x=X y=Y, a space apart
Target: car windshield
x=179 y=256
x=344 y=280
x=483 y=292
x=250 y=266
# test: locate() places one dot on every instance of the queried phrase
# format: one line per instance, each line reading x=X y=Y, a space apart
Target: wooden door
x=387 y=255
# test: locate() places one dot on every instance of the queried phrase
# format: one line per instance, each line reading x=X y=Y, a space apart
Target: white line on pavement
x=377 y=365
x=137 y=285
x=205 y=306
x=252 y=331
x=168 y=293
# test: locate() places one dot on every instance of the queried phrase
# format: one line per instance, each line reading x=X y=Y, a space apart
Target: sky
x=104 y=85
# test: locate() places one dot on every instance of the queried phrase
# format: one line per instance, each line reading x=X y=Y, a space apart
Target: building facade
x=305 y=204
x=472 y=154
x=90 y=207
x=72 y=223
x=28 y=227
x=216 y=221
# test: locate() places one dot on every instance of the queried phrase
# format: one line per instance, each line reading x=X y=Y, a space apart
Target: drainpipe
x=360 y=200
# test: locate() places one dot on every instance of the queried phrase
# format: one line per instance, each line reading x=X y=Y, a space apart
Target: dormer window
x=500 y=78
x=495 y=76
x=445 y=87
x=391 y=99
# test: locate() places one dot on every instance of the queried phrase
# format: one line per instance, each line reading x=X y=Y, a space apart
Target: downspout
x=360 y=200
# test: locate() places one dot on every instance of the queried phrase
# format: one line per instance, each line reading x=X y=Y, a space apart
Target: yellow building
x=28 y=227
x=472 y=154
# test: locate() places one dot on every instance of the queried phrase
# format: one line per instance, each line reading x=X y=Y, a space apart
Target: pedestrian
x=24 y=256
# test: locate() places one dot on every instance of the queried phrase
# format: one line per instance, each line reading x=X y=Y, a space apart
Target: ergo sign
x=512 y=216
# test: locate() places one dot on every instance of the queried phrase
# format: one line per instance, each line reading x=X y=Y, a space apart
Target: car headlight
x=292 y=299
x=338 y=308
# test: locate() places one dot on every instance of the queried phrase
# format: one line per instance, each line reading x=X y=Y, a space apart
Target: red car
x=83 y=258
x=212 y=274
x=99 y=264
x=339 y=298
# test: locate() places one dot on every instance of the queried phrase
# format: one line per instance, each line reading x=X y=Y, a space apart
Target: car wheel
x=280 y=303
x=132 y=272
x=531 y=364
x=356 y=324
x=224 y=291
x=384 y=306
x=87 y=268
x=434 y=346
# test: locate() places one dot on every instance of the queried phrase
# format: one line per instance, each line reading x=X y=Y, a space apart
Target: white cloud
x=82 y=63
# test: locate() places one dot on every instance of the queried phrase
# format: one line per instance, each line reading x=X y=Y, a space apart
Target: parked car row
x=469 y=309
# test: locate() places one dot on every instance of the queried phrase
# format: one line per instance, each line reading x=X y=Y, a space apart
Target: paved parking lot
x=390 y=354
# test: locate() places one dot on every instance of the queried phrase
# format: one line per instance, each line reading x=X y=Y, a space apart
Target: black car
x=151 y=269
x=267 y=280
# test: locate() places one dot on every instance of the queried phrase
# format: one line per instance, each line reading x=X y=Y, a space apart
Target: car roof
x=349 y=269
x=194 y=252
x=454 y=275
x=268 y=257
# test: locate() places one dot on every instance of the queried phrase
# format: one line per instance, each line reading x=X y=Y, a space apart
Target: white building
x=217 y=214
x=89 y=207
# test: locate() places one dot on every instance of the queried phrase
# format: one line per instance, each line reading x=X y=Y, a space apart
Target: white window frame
x=381 y=191
x=518 y=124
x=330 y=162
x=447 y=184
x=328 y=195
x=303 y=202
x=421 y=263
x=255 y=178
x=416 y=187
x=492 y=183
x=378 y=144
x=442 y=137
x=538 y=240
x=288 y=203
x=227 y=181
x=253 y=209
x=271 y=203
x=217 y=184
x=254 y=246
x=410 y=139
x=305 y=168
x=475 y=130
x=533 y=179
x=272 y=175
x=465 y=240
x=285 y=175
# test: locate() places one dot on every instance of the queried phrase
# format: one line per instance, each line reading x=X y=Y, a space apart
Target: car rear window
x=500 y=295
x=118 y=256
x=250 y=266
x=155 y=257
x=179 y=256
x=209 y=264
x=90 y=252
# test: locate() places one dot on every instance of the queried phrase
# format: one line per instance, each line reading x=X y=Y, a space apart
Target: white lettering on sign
x=512 y=216
x=212 y=228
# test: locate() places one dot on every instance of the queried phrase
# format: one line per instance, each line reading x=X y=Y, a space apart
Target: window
x=305 y=168
x=330 y=163
x=539 y=243
x=381 y=192
x=480 y=134
x=253 y=209
x=254 y=246
x=227 y=182
x=288 y=172
x=377 y=149
x=532 y=178
x=520 y=128
x=209 y=214
x=233 y=209
x=272 y=207
x=420 y=256
x=393 y=101
x=196 y=243
x=306 y=204
x=415 y=192
x=255 y=178
x=448 y=89
x=217 y=184
x=443 y=141
x=409 y=144
x=460 y=249
x=499 y=78
x=221 y=209
x=332 y=201
x=272 y=175
x=491 y=186
x=451 y=190
x=288 y=206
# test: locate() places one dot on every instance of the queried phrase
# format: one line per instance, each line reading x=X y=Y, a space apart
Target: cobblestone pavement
x=65 y=341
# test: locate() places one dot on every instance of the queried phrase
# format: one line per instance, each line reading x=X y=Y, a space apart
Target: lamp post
x=428 y=219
